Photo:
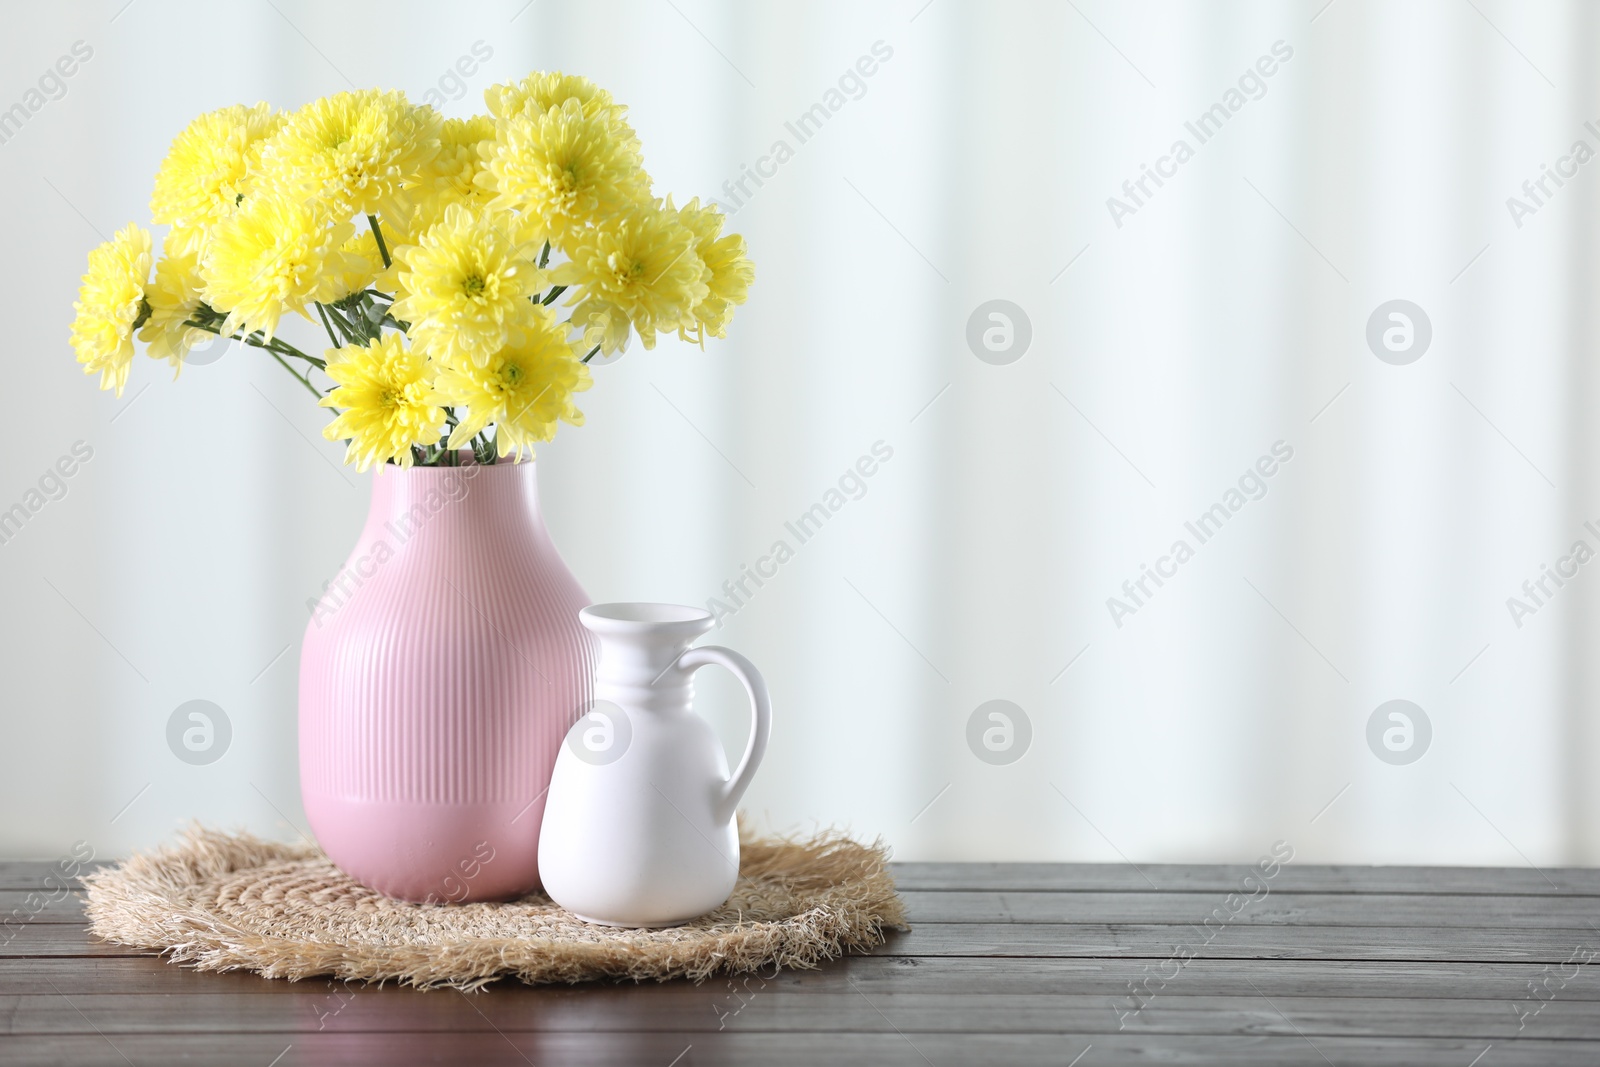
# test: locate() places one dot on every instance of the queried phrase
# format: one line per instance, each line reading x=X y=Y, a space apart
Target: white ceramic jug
x=639 y=823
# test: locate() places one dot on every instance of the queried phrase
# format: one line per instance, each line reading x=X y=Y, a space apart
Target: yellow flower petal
x=386 y=391
x=208 y=170
x=110 y=304
x=466 y=282
x=729 y=272
x=641 y=266
x=275 y=256
x=566 y=169
x=525 y=388
x=174 y=297
x=355 y=151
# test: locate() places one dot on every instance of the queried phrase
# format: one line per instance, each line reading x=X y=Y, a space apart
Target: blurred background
x=990 y=258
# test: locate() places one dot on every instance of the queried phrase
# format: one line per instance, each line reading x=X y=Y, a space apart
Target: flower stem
x=345 y=329
x=322 y=313
x=311 y=360
x=286 y=349
x=590 y=356
x=554 y=292
x=305 y=381
x=377 y=235
x=277 y=345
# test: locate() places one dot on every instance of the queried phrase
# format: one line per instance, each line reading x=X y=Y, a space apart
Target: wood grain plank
x=1220 y=977
x=18 y=907
x=1316 y=909
x=688 y=1009
x=1240 y=941
x=1092 y=940
x=518 y=1049
x=42 y=874
x=1504 y=982
x=59 y=939
x=1227 y=878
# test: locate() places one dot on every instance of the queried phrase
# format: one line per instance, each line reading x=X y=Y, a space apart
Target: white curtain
x=936 y=157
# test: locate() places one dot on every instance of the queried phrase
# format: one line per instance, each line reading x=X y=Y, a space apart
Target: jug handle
x=760 y=705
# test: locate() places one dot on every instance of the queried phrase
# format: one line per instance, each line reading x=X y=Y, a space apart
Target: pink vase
x=438 y=676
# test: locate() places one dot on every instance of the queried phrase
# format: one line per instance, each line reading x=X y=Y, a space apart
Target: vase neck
x=639 y=643
x=638 y=659
x=426 y=502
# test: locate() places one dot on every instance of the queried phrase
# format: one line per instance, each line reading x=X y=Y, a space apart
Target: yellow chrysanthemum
x=111 y=305
x=466 y=282
x=640 y=269
x=525 y=388
x=449 y=178
x=174 y=297
x=277 y=255
x=729 y=272
x=354 y=150
x=564 y=168
x=543 y=90
x=209 y=167
x=387 y=395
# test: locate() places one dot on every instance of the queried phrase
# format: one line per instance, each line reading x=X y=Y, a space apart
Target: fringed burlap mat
x=231 y=901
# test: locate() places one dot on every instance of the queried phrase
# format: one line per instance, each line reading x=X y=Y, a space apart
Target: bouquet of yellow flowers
x=424 y=247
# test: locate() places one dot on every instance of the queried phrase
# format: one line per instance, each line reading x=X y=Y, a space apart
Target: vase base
x=431 y=853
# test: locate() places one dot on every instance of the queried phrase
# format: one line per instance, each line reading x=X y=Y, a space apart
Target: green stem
x=305 y=381
x=544 y=257
x=555 y=292
x=377 y=235
x=277 y=345
x=343 y=325
x=309 y=360
x=286 y=349
x=322 y=313
x=590 y=356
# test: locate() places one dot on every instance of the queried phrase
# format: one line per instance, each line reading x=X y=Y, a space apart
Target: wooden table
x=1062 y=964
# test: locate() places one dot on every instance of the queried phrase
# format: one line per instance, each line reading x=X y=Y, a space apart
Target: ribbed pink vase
x=438 y=677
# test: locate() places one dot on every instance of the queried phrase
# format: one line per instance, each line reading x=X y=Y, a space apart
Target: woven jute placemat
x=222 y=901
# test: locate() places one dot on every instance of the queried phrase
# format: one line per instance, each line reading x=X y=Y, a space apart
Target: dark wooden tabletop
x=1073 y=965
